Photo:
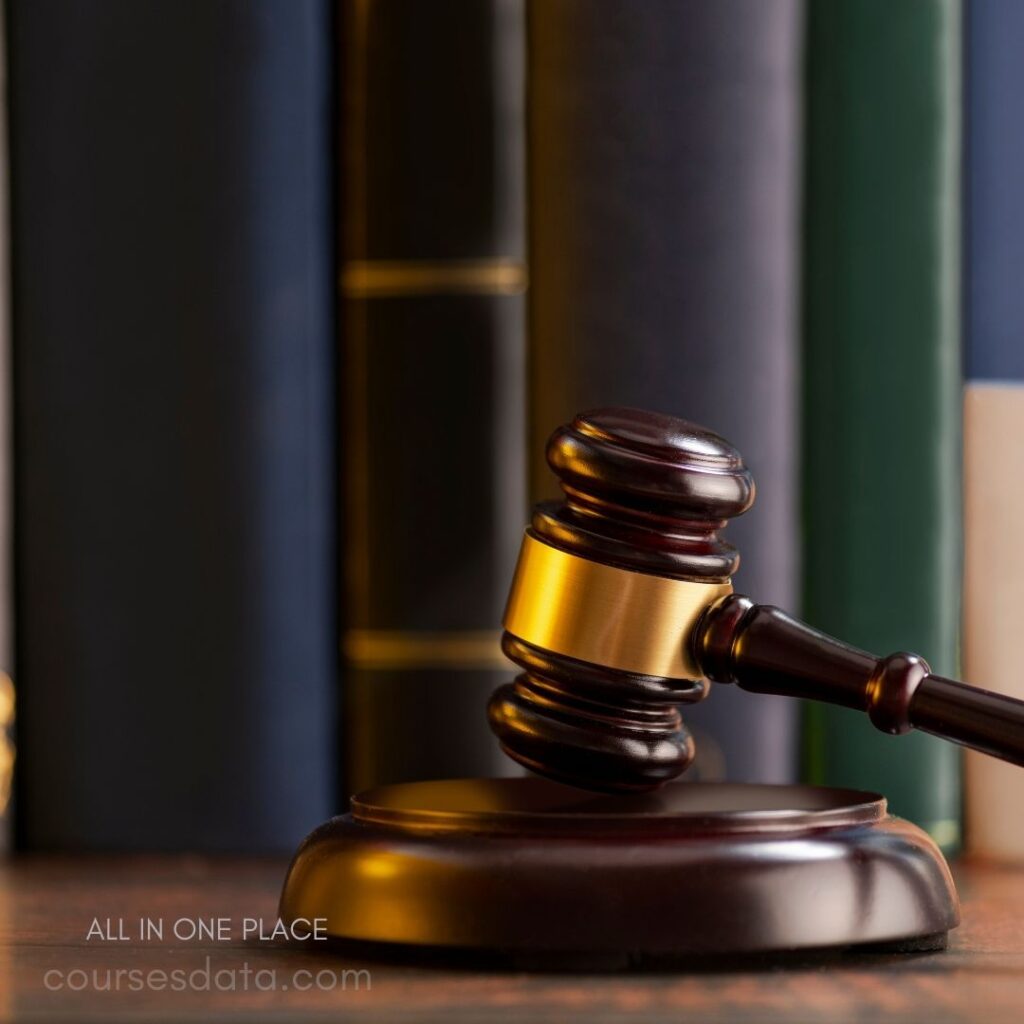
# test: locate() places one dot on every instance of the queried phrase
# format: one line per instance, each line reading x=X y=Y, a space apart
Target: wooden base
x=528 y=866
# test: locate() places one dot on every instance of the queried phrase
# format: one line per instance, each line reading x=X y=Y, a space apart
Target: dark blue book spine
x=172 y=180
x=995 y=191
x=664 y=163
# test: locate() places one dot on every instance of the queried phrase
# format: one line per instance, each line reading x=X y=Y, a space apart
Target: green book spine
x=882 y=374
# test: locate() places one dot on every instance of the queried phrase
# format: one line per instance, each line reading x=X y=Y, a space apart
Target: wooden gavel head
x=610 y=582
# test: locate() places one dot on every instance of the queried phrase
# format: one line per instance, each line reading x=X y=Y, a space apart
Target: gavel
x=621 y=610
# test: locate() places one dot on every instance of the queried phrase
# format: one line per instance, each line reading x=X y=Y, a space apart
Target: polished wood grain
x=46 y=907
x=764 y=650
x=537 y=872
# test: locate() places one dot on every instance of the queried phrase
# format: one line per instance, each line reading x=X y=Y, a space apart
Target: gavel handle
x=764 y=650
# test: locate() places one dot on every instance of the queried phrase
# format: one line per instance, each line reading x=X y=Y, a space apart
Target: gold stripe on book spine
x=408 y=649
x=382 y=278
x=6 y=741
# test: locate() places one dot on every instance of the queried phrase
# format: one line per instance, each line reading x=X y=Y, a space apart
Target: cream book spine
x=994 y=600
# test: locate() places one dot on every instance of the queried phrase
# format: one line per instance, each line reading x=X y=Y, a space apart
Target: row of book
x=290 y=331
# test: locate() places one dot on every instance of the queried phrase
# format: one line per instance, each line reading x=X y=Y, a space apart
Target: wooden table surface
x=47 y=906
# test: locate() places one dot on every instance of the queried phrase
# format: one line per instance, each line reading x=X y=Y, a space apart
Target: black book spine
x=172 y=179
x=433 y=430
x=7 y=698
x=663 y=172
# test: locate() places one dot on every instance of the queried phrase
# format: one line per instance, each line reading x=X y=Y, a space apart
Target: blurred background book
x=432 y=236
x=174 y=428
x=298 y=291
x=664 y=165
x=7 y=704
x=882 y=374
x=994 y=403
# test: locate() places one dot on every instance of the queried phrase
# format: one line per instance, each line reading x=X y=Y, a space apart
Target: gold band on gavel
x=607 y=616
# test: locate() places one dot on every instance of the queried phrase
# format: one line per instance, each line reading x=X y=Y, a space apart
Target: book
x=993 y=589
x=993 y=596
x=664 y=144
x=432 y=383
x=173 y=353
x=882 y=375
x=7 y=695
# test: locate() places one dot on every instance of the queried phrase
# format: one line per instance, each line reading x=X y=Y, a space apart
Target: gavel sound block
x=620 y=611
